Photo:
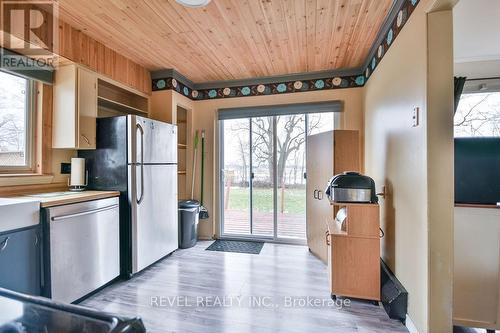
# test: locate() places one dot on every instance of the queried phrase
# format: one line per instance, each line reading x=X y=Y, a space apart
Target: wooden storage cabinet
x=183 y=133
x=75 y=108
x=354 y=253
x=328 y=154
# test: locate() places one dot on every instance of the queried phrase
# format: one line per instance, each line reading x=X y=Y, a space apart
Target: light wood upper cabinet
x=75 y=108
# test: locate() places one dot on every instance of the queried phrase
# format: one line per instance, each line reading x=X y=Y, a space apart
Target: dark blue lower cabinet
x=20 y=260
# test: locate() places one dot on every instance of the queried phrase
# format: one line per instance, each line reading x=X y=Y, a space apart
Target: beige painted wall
x=205 y=115
x=416 y=163
x=395 y=156
x=477 y=267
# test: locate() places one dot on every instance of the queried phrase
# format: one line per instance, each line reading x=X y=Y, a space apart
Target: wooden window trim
x=41 y=135
x=30 y=140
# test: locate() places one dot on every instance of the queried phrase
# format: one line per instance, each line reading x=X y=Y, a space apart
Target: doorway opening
x=263 y=174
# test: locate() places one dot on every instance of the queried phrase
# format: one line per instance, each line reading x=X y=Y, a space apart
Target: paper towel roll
x=77 y=172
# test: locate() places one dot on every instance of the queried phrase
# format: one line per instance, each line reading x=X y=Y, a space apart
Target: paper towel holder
x=78 y=180
x=79 y=188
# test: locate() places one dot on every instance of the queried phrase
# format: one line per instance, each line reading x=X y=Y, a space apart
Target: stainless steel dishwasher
x=82 y=247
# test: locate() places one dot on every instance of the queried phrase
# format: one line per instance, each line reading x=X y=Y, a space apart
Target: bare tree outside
x=478 y=115
x=12 y=120
x=290 y=168
x=288 y=146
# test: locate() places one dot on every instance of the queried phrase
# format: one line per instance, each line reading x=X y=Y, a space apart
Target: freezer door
x=154 y=213
x=151 y=141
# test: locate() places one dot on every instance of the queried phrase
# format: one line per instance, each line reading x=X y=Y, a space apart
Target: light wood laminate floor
x=275 y=277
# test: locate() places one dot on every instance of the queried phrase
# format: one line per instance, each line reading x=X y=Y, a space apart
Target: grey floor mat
x=236 y=246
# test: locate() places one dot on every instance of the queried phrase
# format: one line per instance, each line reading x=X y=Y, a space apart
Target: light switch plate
x=416 y=117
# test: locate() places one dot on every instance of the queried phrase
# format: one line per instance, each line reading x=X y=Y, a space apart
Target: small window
x=478 y=115
x=16 y=118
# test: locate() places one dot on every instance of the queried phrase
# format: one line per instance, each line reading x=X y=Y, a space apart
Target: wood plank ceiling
x=233 y=39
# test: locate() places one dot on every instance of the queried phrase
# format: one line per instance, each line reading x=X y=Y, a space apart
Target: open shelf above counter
x=111 y=96
x=114 y=105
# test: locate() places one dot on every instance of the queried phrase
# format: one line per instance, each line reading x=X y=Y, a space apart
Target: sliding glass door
x=290 y=180
x=263 y=176
x=235 y=162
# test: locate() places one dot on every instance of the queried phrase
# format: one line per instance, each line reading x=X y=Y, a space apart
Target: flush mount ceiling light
x=193 y=3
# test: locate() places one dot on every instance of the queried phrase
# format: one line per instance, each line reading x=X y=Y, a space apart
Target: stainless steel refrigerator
x=138 y=157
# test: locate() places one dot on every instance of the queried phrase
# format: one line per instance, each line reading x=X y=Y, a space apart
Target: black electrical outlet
x=65 y=168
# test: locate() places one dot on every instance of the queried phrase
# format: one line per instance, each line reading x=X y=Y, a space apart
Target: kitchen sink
x=16 y=213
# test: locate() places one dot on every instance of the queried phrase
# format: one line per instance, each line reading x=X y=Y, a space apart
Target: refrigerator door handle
x=140 y=198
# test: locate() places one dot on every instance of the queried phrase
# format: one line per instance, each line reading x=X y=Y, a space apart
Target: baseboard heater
x=394 y=295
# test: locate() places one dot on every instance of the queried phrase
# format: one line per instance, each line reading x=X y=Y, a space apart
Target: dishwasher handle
x=87 y=212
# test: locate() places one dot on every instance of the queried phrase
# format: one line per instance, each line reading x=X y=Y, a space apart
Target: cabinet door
x=87 y=109
x=319 y=166
x=20 y=254
x=64 y=118
x=346 y=151
x=355 y=267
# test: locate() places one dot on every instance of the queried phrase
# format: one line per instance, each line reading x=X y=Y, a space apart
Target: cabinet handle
x=86 y=139
x=315 y=195
x=320 y=195
x=327 y=238
x=3 y=245
x=36 y=239
x=87 y=212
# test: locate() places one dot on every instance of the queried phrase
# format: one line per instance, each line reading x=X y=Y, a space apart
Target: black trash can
x=188 y=223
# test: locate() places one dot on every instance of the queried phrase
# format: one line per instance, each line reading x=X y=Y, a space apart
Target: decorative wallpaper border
x=404 y=11
x=282 y=87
